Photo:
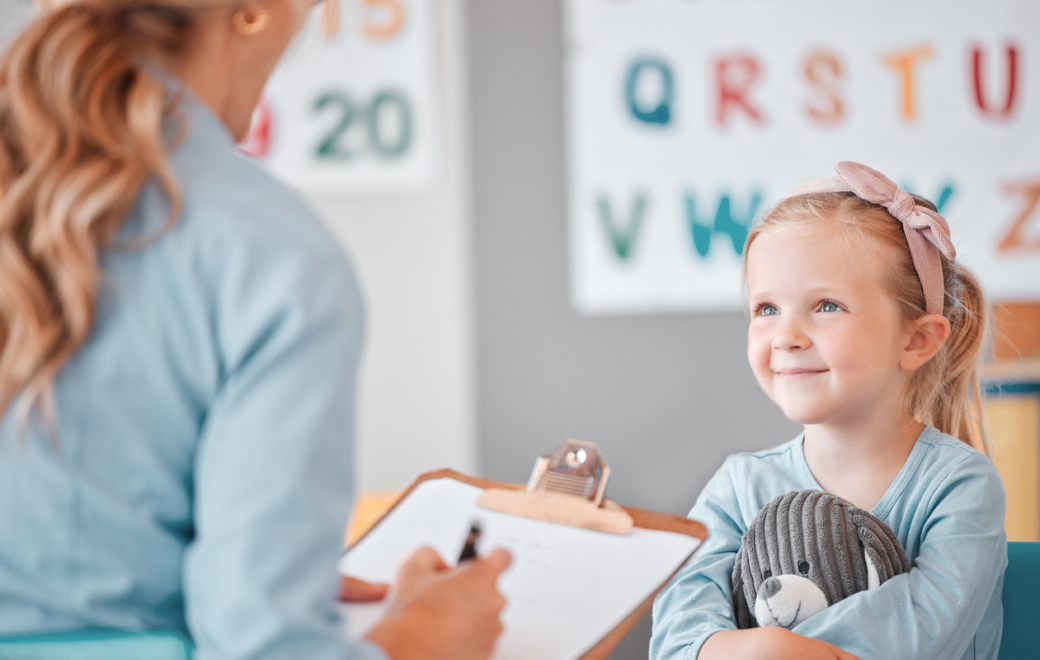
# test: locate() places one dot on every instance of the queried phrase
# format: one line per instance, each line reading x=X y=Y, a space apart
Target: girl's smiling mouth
x=799 y=372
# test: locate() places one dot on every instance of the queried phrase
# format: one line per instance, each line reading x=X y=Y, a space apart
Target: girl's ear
x=927 y=335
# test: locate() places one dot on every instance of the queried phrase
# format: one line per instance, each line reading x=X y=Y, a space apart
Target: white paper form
x=567 y=587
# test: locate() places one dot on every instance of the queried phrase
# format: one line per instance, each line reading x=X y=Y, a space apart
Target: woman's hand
x=439 y=613
x=353 y=590
x=769 y=643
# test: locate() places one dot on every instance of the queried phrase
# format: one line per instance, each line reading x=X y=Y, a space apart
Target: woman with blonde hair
x=179 y=340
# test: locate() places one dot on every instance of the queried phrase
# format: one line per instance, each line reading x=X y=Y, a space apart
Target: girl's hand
x=770 y=643
x=440 y=613
x=353 y=590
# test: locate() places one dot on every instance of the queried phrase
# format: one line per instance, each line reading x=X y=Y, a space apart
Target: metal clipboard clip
x=567 y=488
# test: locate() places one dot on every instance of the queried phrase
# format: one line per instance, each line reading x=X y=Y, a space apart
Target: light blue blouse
x=946 y=506
x=202 y=473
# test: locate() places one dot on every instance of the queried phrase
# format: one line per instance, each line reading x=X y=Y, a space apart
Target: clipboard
x=641 y=518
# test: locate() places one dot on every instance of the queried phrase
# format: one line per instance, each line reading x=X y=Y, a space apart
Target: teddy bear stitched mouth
x=789 y=623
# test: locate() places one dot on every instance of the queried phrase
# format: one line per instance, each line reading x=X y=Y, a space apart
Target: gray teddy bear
x=805 y=551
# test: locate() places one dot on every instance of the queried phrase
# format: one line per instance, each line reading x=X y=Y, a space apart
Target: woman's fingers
x=480 y=580
x=497 y=561
x=423 y=564
x=444 y=614
x=485 y=573
x=353 y=590
x=424 y=560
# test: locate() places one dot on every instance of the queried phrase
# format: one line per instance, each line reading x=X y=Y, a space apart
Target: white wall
x=413 y=258
x=13 y=15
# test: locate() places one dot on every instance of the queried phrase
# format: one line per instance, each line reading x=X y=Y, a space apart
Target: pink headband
x=926 y=231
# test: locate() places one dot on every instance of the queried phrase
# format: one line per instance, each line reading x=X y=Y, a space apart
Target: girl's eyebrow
x=815 y=291
x=827 y=291
x=813 y=296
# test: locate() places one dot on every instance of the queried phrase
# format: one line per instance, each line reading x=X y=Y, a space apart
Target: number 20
x=332 y=146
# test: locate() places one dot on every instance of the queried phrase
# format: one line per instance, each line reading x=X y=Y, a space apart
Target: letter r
x=735 y=75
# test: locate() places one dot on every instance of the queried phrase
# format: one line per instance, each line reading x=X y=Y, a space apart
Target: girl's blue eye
x=829 y=306
x=767 y=310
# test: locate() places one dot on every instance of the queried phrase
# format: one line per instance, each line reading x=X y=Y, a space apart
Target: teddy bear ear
x=873 y=580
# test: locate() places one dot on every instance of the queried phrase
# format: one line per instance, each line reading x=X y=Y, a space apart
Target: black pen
x=469 y=548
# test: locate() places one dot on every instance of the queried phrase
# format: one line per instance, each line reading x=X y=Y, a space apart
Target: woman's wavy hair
x=83 y=104
x=81 y=131
x=945 y=392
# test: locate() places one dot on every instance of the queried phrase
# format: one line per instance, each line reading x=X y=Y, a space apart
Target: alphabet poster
x=355 y=113
x=689 y=118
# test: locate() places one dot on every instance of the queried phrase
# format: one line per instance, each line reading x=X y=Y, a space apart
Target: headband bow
x=926 y=231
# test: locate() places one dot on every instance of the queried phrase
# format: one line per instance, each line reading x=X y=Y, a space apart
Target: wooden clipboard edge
x=443 y=473
x=640 y=517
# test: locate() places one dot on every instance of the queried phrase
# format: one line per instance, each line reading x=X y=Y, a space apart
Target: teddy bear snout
x=787 y=600
x=770 y=588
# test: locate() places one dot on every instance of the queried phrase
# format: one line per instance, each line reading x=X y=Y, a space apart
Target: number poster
x=355 y=113
x=687 y=119
x=352 y=114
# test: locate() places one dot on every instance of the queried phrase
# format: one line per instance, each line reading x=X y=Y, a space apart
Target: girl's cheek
x=758 y=357
x=759 y=337
x=753 y=347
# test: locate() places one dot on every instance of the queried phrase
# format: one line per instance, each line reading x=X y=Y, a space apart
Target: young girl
x=866 y=330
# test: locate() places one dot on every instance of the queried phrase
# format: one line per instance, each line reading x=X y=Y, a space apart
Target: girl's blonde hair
x=83 y=106
x=945 y=392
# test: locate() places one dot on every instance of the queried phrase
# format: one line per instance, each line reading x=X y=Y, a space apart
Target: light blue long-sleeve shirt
x=946 y=506
x=203 y=470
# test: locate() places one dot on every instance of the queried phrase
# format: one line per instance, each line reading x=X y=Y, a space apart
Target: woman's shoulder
x=229 y=197
x=254 y=247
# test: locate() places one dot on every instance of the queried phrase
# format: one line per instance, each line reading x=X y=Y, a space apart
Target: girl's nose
x=790 y=336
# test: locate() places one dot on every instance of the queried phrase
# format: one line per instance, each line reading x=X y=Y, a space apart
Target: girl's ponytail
x=946 y=392
x=81 y=131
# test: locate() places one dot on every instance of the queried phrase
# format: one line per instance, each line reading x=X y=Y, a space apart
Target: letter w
x=725 y=223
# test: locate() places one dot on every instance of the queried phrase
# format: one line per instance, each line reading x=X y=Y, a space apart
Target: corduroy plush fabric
x=816 y=535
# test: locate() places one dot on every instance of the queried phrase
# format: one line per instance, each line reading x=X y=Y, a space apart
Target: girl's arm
x=693 y=616
x=933 y=611
x=770 y=643
x=697 y=603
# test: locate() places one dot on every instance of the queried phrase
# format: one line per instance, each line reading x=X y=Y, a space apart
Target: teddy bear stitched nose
x=769 y=588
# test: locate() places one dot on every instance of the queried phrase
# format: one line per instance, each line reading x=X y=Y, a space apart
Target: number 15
x=391 y=22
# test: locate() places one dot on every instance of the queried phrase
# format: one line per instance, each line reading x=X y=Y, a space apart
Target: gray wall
x=665 y=397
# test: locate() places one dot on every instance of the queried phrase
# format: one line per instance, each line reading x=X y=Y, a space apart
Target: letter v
x=622 y=239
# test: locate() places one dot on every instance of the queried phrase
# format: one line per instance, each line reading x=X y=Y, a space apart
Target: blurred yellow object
x=1013 y=409
x=1015 y=425
x=370 y=507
